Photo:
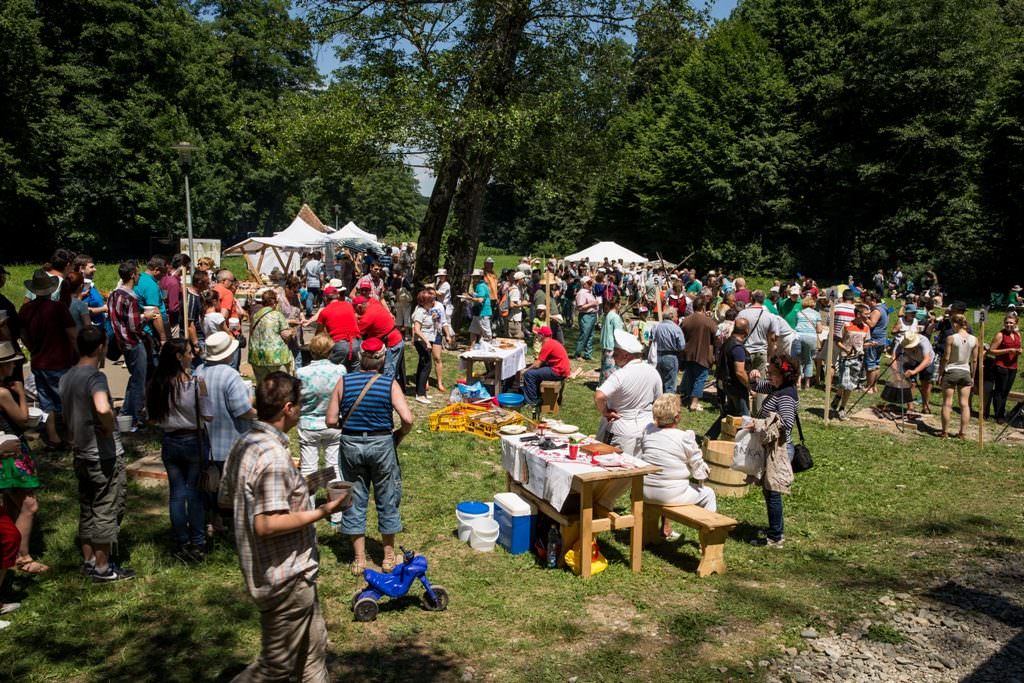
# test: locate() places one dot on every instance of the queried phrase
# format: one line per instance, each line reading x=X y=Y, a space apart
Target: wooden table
x=497 y=362
x=592 y=517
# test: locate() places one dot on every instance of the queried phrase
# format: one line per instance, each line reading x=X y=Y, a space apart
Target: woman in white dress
x=675 y=451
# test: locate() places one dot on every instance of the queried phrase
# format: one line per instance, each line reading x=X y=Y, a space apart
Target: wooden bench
x=550 y=398
x=712 y=529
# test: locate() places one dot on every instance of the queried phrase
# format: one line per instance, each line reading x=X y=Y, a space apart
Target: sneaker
x=843 y=415
x=113 y=573
x=674 y=536
x=423 y=399
x=8 y=607
x=768 y=543
x=86 y=568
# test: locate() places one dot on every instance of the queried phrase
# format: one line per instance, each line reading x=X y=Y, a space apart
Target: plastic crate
x=453 y=418
x=487 y=424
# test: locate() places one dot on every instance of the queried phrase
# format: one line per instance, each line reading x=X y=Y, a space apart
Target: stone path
x=967 y=628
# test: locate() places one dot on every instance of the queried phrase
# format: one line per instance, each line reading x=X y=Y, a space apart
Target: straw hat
x=911 y=339
x=220 y=346
x=8 y=353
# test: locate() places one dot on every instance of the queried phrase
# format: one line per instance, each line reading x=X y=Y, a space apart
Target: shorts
x=481 y=326
x=101 y=498
x=515 y=329
x=48 y=389
x=873 y=357
x=849 y=375
x=957 y=379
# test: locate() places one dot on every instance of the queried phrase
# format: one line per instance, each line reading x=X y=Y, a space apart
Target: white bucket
x=484 y=534
x=124 y=423
x=466 y=518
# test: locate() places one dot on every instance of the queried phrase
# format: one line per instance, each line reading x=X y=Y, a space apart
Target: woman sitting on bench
x=676 y=452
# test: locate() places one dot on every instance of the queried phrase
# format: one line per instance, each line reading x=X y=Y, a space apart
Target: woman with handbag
x=269 y=334
x=362 y=405
x=775 y=424
x=180 y=405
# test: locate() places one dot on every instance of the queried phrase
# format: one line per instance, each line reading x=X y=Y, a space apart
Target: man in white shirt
x=764 y=330
x=515 y=306
x=625 y=398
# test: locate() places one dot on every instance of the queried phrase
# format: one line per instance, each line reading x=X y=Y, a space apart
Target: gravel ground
x=969 y=627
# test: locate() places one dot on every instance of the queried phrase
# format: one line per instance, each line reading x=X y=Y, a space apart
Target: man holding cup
x=277 y=551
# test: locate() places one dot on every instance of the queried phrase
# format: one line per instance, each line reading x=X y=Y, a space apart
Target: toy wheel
x=365 y=609
x=442 y=600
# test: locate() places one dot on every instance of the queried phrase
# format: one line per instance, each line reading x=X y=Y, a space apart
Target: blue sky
x=326 y=62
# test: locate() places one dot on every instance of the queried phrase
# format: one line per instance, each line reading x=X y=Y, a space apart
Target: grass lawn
x=878 y=513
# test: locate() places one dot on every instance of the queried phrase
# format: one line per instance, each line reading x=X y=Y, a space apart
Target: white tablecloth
x=512 y=360
x=548 y=474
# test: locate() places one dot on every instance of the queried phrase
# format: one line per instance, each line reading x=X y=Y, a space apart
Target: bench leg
x=652 y=524
x=712 y=552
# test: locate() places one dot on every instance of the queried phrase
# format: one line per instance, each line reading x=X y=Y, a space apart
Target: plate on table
x=513 y=430
x=561 y=428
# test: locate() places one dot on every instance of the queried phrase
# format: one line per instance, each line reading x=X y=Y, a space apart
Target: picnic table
x=548 y=478
x=506 y=358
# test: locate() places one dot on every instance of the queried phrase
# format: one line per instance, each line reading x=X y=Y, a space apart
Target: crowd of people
x=180 y=331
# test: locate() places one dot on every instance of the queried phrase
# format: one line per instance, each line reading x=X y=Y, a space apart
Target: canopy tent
x=610 y=250
x=351 y=230
x=263 y=254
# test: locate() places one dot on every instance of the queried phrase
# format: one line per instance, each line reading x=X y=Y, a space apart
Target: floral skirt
x=18 y=471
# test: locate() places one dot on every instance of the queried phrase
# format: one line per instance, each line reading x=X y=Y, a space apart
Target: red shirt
x=552 y=353
x=339 y=318
x=377 y=321
x=44 y=330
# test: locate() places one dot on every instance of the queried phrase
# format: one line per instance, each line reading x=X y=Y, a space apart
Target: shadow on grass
x=405 y=660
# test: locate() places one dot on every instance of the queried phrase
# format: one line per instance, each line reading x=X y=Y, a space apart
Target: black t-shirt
x=733 y=351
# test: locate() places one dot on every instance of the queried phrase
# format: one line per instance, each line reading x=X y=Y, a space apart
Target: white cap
x=795 y=289
x=440 y=272
x=602 y=270
x=541 y=307
x=586 y=278
x=519 y=275
x=627 y=342
x=477 y=272
x=336 y=283
x=774 y=289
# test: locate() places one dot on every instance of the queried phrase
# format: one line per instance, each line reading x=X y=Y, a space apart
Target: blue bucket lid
x=472 y=507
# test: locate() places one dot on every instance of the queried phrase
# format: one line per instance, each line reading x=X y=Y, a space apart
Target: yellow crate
x=490 y=429
x=453 y=418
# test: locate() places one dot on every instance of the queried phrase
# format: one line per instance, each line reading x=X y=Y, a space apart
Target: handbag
x=802 y=460
x=209 y=475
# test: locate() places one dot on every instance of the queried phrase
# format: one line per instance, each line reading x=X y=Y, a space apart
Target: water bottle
x=554 y=546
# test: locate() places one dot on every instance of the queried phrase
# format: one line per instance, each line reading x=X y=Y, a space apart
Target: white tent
x=263 y=254
x=609 y=250
x=351 y=230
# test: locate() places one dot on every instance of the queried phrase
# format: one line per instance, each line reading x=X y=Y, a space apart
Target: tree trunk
x=428 y=248
x=462 y=244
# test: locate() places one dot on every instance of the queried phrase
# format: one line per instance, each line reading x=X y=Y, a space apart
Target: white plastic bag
x=747 y=454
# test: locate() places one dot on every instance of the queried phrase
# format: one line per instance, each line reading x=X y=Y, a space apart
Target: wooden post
x=981 y=381
x=828 y=362
x=547 y=291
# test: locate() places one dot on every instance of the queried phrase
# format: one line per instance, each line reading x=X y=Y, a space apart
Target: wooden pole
x=828 y=362
x=981 y=381
x=547 y=290
x=657 y=301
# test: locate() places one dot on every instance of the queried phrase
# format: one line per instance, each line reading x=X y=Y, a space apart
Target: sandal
x=388 y=564
x=357 y=566
x=30 y=566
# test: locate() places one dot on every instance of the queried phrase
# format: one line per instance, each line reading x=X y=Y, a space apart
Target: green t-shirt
x=770 y=306
x=789 y=310
x=612 y=322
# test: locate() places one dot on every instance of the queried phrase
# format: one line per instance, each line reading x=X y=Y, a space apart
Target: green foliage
x=885 y=633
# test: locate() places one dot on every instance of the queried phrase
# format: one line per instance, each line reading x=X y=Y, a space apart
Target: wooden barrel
x=724 y=480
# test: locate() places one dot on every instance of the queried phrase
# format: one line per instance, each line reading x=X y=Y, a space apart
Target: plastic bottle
x=554 y=546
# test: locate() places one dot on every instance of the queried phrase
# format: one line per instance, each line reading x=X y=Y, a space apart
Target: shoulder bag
x=209 y=475
x=802 y=460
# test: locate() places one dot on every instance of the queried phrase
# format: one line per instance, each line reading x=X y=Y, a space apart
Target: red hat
x=544 y=331
x=359 y=300
x=372 y=345
x=330 y=291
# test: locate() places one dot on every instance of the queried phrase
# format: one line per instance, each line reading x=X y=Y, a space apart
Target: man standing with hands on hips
x=277 y=551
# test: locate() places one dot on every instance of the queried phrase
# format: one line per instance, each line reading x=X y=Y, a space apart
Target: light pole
x=184 y=150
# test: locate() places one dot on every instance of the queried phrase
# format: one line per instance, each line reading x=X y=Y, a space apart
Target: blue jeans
x=695 y=376
x=391 y=359
x=773 y=501
x=794 y=348
x=371 y=461
x=808 y=344
x=135 y=392
x=346 y=352
x=183 y=459
x=48 y=389
x=668 y=368
x=585 y=343
x=533 y=378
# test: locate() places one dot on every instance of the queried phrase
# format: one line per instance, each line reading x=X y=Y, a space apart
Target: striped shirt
x=374 y=412
x=229 y=401
x=842 y=316
x=260 y=478
x=125 y=317
x=784 y=402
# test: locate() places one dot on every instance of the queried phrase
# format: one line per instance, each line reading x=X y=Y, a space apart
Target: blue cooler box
x=516 y=519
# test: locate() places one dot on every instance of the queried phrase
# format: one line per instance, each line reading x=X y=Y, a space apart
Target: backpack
x=503 y=307
x=610 y=293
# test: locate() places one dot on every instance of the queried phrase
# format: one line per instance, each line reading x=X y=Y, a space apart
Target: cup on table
x=574 y=450
x=338 y=488
x=541 y=426
x=234 y=323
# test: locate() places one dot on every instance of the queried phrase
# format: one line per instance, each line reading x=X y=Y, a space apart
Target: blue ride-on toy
x=365 y=603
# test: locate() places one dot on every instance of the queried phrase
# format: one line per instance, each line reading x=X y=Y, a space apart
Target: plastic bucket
x=124 y=423
x=466 y=512
x=484 y=534
x=511 y=400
